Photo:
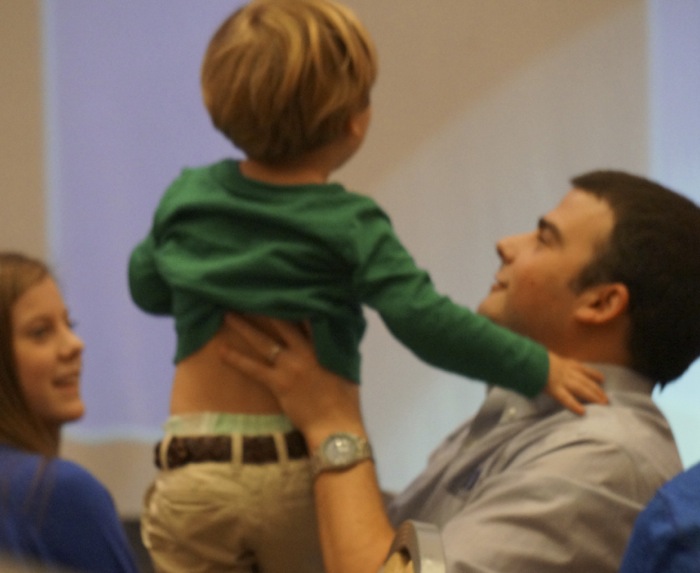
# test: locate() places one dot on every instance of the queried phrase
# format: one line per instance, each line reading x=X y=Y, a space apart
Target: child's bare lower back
x=203 y=383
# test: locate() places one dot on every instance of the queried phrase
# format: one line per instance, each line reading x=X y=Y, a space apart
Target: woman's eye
x=40 y=332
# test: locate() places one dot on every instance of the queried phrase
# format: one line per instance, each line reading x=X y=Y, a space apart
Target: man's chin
x=487 y=308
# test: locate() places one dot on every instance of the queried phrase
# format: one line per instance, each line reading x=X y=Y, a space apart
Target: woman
x=51 y=511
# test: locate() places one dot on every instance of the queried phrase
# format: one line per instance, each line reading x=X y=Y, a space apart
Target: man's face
x=532 y=293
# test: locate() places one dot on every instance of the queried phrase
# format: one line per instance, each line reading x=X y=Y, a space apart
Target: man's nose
x=508 y=247
x=504 y=248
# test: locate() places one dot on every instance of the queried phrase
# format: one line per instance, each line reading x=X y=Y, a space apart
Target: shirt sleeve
x=81 y=524
x=148 y=289
x=437 y=330
x=559 y=511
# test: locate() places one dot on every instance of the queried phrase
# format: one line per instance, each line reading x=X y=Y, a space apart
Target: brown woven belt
x=182 y=450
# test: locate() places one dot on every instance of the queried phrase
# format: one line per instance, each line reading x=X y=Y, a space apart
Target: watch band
x=340 y=451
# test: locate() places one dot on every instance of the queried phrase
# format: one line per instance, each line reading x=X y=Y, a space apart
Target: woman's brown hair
x=19 y=427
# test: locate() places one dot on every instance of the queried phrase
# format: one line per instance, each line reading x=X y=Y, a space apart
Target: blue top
x=666 y=536
x=55 y=512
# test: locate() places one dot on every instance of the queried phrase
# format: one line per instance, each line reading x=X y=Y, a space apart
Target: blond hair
x=18 y=425
x=281 y=78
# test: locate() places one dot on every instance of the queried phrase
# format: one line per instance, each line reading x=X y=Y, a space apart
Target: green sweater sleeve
x=437 y=330
x=148 y=289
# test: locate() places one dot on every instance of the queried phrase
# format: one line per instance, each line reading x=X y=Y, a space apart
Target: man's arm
x=354 y=529
x=556 y=494
x=542 y=493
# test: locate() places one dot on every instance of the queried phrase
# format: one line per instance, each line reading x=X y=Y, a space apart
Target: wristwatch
x=340 y=451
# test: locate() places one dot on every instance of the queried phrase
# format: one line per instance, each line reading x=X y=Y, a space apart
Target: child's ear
x=357 y=124
x=354 y=126
x=602 y=303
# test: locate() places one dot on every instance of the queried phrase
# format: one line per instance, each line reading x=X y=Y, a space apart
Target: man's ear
x=602 y=303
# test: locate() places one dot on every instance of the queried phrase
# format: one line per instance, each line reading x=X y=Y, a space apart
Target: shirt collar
x=616 y=379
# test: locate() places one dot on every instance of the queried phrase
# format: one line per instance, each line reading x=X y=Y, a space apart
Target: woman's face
x=48 y=355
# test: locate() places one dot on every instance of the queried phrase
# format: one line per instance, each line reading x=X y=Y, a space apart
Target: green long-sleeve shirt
x=223 y=242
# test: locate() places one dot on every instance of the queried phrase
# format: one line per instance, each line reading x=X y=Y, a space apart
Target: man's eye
x=546 y=237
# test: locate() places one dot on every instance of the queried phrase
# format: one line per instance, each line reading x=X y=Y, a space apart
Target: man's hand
x=281 y=356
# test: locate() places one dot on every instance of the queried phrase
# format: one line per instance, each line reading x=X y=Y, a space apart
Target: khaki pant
x=233 y=517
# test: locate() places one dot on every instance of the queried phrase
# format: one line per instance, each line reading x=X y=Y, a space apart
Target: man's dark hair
x=654 y=249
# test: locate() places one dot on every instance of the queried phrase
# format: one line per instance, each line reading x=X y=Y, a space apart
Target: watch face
x=340 y=450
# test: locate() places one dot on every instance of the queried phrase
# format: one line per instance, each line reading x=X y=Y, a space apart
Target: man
x=609 y=277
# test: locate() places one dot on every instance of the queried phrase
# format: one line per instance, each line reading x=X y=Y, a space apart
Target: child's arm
x=571 y=383
x=451 y=336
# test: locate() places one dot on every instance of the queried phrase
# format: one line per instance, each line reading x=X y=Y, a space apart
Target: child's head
x=282 y=78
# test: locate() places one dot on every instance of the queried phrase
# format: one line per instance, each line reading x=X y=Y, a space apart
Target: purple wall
x=124 y=116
